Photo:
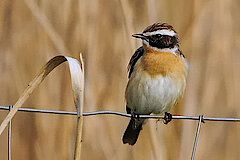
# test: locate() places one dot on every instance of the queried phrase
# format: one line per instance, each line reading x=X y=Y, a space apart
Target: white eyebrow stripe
x=162 y=32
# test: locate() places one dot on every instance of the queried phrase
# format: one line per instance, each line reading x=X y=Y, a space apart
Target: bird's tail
x=132 y=132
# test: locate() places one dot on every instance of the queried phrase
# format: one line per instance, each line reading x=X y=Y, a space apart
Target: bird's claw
x=167 y=118
x=135 y=116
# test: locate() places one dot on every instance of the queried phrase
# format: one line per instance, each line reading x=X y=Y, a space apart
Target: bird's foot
x=135 y=117
x=167 y=118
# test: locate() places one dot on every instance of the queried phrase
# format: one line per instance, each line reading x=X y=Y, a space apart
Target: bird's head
x=160 y=36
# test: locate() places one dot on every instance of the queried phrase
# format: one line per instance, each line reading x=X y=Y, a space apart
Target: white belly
x=146 y=94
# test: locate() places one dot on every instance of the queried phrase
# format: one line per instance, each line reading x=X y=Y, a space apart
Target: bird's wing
x=136 y=56
x=181 y=53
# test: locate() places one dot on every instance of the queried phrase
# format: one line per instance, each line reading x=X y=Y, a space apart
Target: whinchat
x=157 y=76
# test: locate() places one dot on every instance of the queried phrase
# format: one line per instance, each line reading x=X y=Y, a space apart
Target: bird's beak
x=139 y=36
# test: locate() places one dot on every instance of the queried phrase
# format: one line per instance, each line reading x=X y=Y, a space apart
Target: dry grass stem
x=77 y=84
x=79 y=104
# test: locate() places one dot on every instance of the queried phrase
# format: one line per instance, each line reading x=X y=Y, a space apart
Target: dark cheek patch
x=163 y=41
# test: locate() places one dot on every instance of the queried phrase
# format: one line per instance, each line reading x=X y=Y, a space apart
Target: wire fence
x=201 y=119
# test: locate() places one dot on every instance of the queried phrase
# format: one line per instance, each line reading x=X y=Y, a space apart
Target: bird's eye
x=158 y=35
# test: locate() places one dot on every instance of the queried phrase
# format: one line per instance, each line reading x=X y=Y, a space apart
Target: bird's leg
x=167 y=118
x=135 y=117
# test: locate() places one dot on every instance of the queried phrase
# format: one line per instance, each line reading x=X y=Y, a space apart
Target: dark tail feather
x=132 y=132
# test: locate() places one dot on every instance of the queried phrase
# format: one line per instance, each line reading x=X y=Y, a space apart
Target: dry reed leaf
x=77 y=77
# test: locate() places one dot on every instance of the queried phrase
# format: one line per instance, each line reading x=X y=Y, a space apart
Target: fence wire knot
x=201 y=118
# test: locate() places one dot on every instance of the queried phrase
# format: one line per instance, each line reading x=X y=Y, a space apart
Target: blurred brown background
x=33 y=31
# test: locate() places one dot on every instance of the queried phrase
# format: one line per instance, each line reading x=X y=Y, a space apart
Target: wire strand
x=124 y=114
x=201 y=119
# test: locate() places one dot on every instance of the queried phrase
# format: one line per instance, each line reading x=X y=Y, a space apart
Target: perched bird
x=157 y=77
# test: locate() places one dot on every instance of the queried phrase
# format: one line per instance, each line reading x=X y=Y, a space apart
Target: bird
x=157 y=77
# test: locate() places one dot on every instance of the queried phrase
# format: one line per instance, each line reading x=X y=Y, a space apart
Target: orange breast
x=164 y=63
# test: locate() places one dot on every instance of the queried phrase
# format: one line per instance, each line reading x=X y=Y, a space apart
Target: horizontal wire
x=123 y=114
x=42 y=111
